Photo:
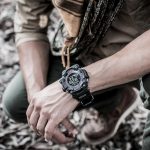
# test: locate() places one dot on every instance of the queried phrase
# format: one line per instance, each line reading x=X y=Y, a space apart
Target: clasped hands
x=48 y=109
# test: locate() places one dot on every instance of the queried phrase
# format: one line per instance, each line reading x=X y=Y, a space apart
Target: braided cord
x=97 y=20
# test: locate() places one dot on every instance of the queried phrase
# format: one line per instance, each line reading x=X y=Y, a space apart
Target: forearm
x=34 y=64
x=127 y=65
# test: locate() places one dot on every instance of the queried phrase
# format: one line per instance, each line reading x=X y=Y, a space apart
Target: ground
x=16 y=136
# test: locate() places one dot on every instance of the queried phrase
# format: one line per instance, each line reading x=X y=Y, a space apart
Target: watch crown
x=60 y=80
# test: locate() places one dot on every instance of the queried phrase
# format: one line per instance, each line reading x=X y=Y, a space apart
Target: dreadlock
x=98 y=18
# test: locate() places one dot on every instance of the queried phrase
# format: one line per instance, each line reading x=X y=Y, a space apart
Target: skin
x=46 y=109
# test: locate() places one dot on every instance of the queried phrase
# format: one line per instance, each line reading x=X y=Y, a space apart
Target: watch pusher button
x=63 y=73
x=60 y=81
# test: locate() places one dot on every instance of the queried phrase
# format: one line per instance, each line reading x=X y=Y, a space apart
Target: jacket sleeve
x=31 y=20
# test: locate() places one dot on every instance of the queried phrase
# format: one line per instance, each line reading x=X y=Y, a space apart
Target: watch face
x=73 y=79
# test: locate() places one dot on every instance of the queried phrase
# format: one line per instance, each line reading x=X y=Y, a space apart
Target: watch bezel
x=83 y=79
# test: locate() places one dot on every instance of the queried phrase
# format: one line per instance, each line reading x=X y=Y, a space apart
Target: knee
x=12 y=107
x=9 y=106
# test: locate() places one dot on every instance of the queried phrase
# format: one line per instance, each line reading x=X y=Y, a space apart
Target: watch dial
x=73 y=79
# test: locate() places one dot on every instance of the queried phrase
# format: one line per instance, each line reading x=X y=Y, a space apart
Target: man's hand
x=47 y=109
x=50 y=106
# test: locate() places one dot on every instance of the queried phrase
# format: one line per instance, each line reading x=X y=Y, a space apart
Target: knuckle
x=48 y=132
x=37 y=106
x=45 y=113
x=62 y=141
x=53 y=123
x=32 y=123
x=53 y=118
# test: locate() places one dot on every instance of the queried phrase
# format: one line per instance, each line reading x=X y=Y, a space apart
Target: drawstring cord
x=66 y=51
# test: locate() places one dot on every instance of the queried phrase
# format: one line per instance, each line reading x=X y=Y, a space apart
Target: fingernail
x=46 y=140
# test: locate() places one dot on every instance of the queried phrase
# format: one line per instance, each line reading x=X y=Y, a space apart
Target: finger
x=42 y=124
x=70 y=128
x=60 y=138
x=29 y=112
x=34 y=120
x=49 y=129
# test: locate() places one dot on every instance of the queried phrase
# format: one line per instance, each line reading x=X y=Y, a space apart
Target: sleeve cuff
x=26 y=37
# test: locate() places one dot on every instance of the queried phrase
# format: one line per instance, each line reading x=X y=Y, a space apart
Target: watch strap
x=83 y=96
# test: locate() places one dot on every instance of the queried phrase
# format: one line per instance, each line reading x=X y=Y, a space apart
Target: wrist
x=67 y=95
x=74 y=80
x=72 y=100
x=96 y=82
x=31 y=92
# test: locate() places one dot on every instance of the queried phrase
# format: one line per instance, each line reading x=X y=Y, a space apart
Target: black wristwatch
x=75 y=81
